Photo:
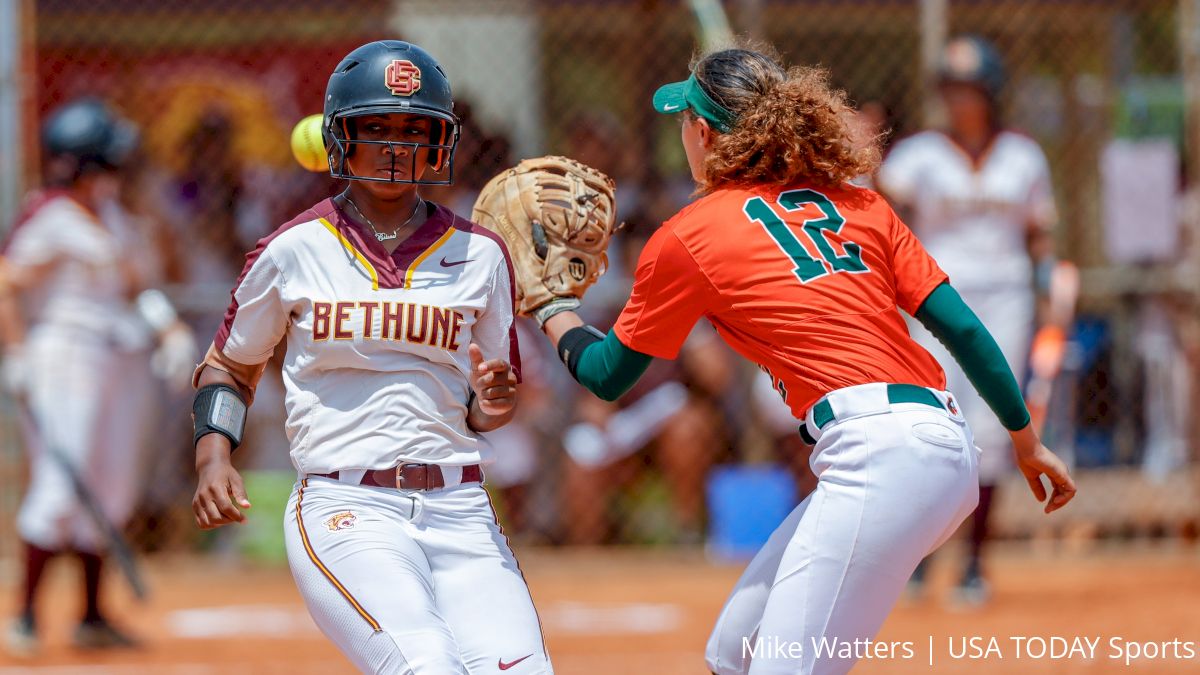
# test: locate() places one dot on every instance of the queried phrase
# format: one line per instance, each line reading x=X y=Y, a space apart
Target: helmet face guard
x=441 y=153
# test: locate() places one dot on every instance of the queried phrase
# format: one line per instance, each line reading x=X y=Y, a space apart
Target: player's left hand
x=493 y=381
x=1035 y=459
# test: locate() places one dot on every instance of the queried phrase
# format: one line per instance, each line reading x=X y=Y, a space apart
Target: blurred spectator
x=145 y=403
x=211 y=205
x=874 y=120
x=479 y=156
x=217 y=219
x=525 y=447
x=599 y=139
x=673 y=420
x=774 y=417
x=1167 y=387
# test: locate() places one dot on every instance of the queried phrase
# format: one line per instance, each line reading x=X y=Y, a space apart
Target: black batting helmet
x=384 y=77
x=86 y=135
x=970 y=59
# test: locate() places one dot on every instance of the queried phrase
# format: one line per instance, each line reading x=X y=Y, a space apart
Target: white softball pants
x=412 y=582
x=90 y=402
x=894 y=482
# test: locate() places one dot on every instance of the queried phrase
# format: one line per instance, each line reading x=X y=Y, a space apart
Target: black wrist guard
x=219 y=409
x=573 y=342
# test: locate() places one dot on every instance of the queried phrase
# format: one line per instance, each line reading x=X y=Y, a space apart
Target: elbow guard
x=573 y=343
x=219 y=409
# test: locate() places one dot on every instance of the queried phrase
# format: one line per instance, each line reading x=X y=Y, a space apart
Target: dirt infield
x=645 y=612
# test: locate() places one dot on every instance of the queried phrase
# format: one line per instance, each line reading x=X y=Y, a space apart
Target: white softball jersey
x=86 y=293
x=973 y=217
x=376 y=374
x=376 y=371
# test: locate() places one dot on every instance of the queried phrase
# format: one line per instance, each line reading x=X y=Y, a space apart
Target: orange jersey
x=804 y=282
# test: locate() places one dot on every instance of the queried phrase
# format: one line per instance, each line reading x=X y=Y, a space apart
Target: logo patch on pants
x=341 y=521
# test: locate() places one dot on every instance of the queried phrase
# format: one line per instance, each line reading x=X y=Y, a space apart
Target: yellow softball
x=307 y=145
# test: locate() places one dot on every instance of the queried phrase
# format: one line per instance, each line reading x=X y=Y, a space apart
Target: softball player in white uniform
x=77 y=351
x=977 y=197
x=398 y=317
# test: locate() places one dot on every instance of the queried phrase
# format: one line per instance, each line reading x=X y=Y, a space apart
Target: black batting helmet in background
x=385 y=77
x=970 y=59
x=84 y=136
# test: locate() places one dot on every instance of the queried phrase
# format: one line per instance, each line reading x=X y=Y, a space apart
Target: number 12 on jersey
x=807 y=268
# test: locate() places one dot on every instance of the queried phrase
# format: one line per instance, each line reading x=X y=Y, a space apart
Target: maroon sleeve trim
x=319 y=210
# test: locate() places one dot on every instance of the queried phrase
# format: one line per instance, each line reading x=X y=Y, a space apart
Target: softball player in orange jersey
x=398 y=317
x=805 y=275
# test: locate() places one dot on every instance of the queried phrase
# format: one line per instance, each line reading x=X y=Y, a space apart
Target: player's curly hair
x=791 y=125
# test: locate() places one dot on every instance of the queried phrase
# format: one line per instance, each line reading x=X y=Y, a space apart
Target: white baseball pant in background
x=90 y=402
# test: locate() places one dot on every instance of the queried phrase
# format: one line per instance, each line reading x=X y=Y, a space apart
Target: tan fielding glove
x=557 y=216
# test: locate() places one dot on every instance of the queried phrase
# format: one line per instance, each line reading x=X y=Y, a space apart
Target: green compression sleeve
x=608 y=368
x=954 y=324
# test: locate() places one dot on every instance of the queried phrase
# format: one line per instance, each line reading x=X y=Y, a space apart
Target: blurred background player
x=979 y=198
x=80 y=321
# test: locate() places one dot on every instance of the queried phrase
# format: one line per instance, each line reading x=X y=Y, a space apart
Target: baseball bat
x=1049 y=345
x=117 y=544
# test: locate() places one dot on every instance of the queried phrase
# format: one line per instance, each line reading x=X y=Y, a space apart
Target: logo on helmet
x=402 y=78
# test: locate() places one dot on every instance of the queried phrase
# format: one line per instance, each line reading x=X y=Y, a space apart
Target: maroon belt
x=412 y=476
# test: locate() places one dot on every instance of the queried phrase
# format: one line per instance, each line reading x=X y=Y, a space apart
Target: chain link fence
x=217 y=86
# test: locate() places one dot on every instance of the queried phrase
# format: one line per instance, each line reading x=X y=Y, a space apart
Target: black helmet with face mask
x=389 y=77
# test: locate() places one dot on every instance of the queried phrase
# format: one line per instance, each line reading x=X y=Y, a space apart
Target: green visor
x=678 y=96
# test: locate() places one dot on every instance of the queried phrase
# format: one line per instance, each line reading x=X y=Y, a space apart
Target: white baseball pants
x=405 y=581
x=894 y=482
x=89 y=402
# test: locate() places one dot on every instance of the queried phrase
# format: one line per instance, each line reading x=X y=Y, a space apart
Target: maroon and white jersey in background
x=83 y=292
x=377 y=363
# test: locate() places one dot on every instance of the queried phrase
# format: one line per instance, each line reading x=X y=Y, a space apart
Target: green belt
x=896 y=393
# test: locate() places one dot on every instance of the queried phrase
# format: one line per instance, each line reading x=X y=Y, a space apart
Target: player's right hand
x=219 y=494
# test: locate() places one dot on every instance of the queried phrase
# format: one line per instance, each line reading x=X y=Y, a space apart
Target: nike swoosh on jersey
x=505 y=666
x=456 y=263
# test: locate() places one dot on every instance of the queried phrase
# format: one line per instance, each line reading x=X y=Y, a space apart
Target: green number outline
x=794 y=200
x=806 y=267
